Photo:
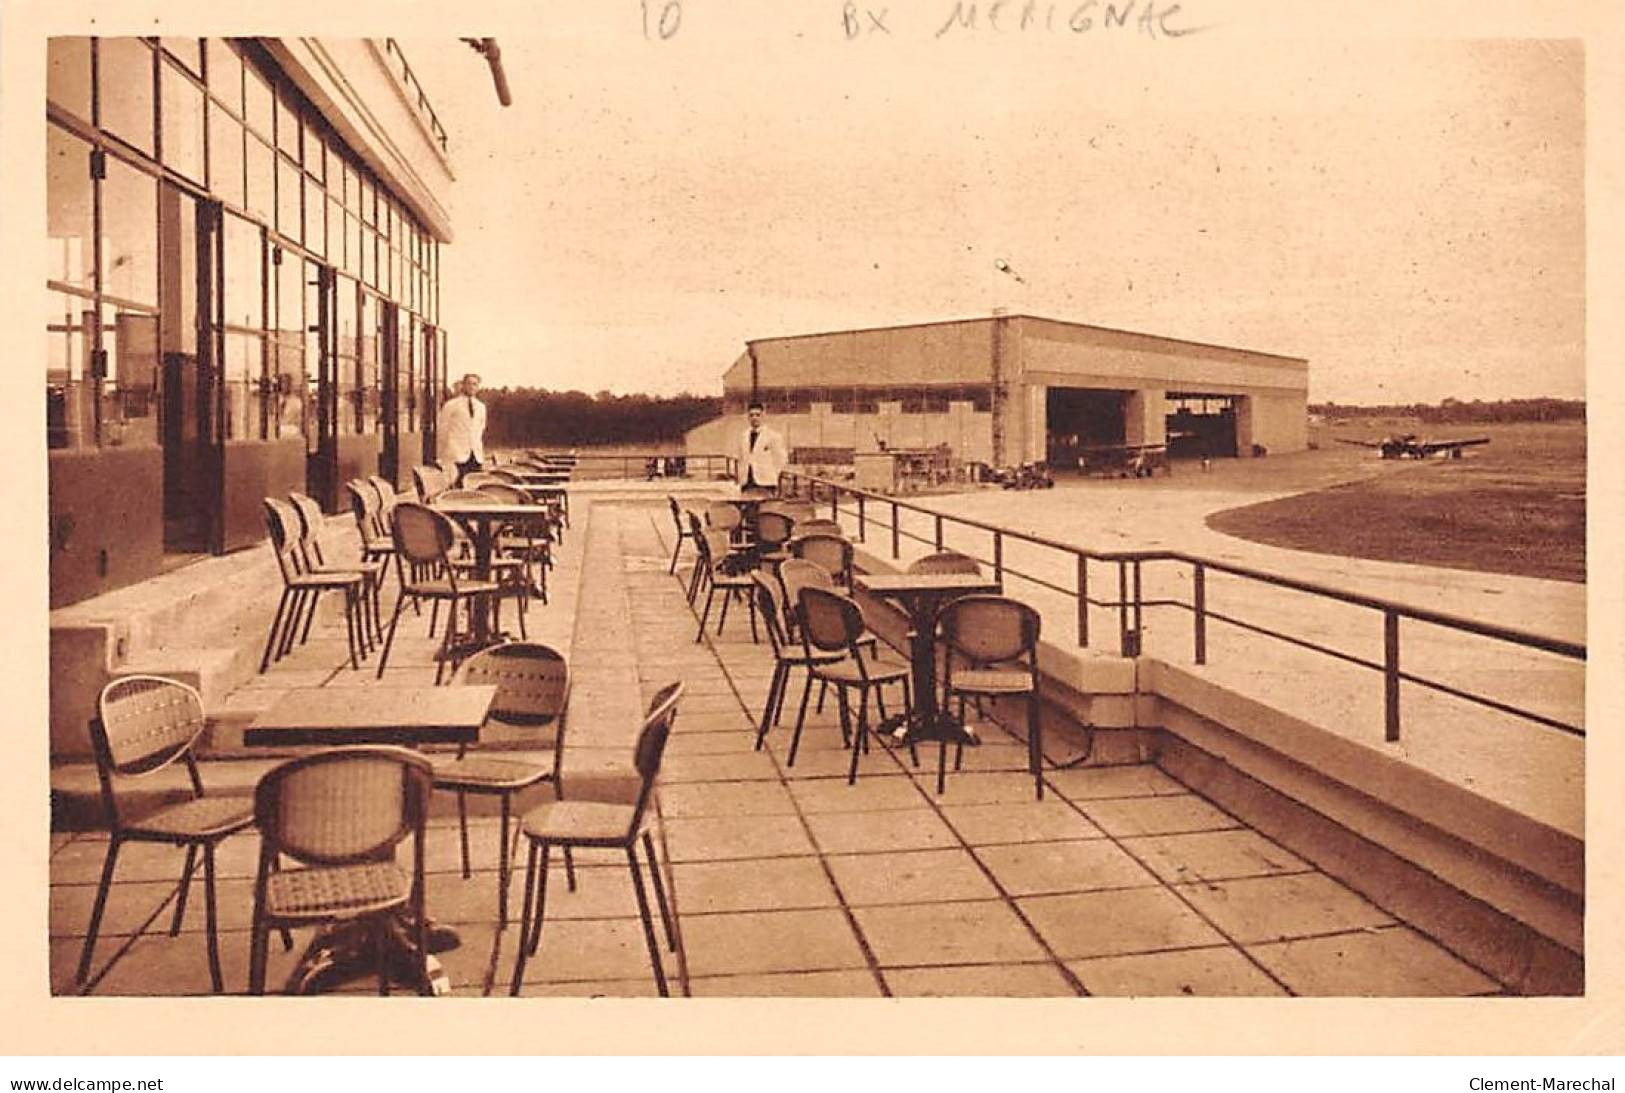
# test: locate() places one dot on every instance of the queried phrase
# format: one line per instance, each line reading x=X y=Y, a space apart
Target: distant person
x=762 y=454
x=461 y=426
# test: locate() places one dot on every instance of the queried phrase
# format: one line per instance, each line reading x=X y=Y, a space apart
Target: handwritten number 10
x=671 y=17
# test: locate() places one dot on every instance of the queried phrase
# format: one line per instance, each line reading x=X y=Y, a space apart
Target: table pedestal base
x=351 y=951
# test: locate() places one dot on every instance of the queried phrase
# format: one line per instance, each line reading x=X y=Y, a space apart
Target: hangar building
x=1013 y=388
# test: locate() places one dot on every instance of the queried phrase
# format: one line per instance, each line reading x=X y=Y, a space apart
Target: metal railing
x=883 y=513
x=599 y=466
x=416 y=93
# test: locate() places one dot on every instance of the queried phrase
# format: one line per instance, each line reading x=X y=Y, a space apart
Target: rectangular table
x=331 y=716
x=922 y=596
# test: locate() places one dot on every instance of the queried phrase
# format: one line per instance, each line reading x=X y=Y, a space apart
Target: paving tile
x=916 y=876
x=992 y=756
x=1098 y=783
x=587 y=950
x=983 y=932
x=1213 y=855
x=873 y=832
x=712 y=839
x=1207 y=973
x=847 y=984
x=160 y=965
x=730 y=742
x=758 y=885
x=832 y=763
x=1394 y=963
x=980 y=980
x=1272 y=908
x=735 y=799
x=1029 y=821
x=1004 y=787
x=745 y=766
x=1128 y=920
x=874 y=794
x=129 y=907
x=1039 y=868
x=1167 y=815
x=770 y=941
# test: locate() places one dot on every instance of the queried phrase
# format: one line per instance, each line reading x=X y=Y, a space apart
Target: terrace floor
x=787 y=881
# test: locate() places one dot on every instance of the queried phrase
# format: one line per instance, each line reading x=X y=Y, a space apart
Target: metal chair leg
x=462 y=830
x=394 y=621
x=276 y=626
x=780 y=672
x=523 y=950
x=98 y=907
x=211 y=920
x=666 y=917
x=182 y=890
x=648 y=923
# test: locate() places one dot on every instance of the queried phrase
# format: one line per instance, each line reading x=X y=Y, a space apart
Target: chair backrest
x=422 y=535
x=474 y=496
x=532 y=682
x=651 y=745
x=501 y=491
x=831 y=552
x=830 y=622
x=773 y=528
x=363 y=506
x=713 y=545
x=144 y=723
x=310 y=526
x=945 y=561
x=722 y=516
x=343 y=805
x=282 y=523
x=773 y=609
x=799 y=573
x=384 y=487
x=428 y=480
x=819 y=526
x=676 y=515
x=798 y=510
x=986 y=629
x=505 y=476
x=473 y=480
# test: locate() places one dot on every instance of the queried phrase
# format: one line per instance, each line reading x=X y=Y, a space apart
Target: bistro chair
x=996 y=639
x=820 y=525
x=712 y=545
x=945 y=561
x=788 y=655
x=529 y=538
x=728 y=519
x=533 y=696
x=366 y=507
x=603 y=825
x=510 y=573
x=428 y=481
x=833 y=623
x=315 y=561
x=684 y=533
x=144 y=724
x=832 y=552
x=773 y=531
x=423 y=542
x=340 y=813
x=302 y=590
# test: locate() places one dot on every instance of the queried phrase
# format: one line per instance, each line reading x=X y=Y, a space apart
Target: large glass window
x=257 y=103
x=129 y=234
x=349 y=408
x=315 y=217
x=243 y=311
x=182 y=112
x=70 y=225
x=67 y=74
x=130 y=340
x=406 y=341
x=188 y=51
x=288 y=345
x=124 y=72
x=226 y=74
x=289 y=194
x=261 y=163
x=367 y=374
x=226 y=157
x=69 y=410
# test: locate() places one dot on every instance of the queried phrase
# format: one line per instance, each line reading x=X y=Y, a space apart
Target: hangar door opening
x=1201 y=425
x=1080 y=418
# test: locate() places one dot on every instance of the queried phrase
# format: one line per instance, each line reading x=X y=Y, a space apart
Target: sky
x=1407 y=215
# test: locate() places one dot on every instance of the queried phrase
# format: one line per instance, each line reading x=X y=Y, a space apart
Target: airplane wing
x=1429 y=447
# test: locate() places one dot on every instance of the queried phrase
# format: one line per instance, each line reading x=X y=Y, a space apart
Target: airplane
x=1410 y=446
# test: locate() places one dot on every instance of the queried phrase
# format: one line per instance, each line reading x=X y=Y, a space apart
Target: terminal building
x=243 y=289
x=1010 y=389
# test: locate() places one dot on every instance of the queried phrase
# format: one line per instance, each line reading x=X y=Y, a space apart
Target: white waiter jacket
x=461 y=429
x=765 y=459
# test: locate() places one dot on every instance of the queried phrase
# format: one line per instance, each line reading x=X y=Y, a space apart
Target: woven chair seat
x=875 y=671
x=439 y=586
x=580 y=822
x=478 y=772
x=201 y=817
x=997 y=681
x=335 y=579
x=339 y=891
x=368 y=568
x=496 y=563
x=726 y=580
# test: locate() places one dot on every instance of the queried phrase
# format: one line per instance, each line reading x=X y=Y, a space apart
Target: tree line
x=532 y=416
x=1457 y=411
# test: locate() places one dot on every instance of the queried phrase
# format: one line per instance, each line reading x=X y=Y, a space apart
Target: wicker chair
x=428 y=481
x=143 y=725
x=712 y=545
x=788 y=655
x=603 y=825
x=945 y=561
x=315 y=561
x=367 y=508
x=341 y=813
x=773 y=531
x=510 y=573
x=996 y=638
x=423 y=543
x=820 y=525
x=832 y=552
x=684 y=533
x=529 y=539
x=302 y=590
x=533 y=694
x=831 y=622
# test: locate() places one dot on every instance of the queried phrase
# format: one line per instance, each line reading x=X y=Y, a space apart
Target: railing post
x=863 y=522
x=939 y=531
x=1199 y=592
x=1122 y=608
x=998 y=557
x=896 y=552
x=1390 y=674
x=1083 y=600
x=1139 y=620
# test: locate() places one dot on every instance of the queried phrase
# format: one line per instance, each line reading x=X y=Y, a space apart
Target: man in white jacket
x=461 y=426
x=762 y=454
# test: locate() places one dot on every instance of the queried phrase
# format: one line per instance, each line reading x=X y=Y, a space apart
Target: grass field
x=1514 y=506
